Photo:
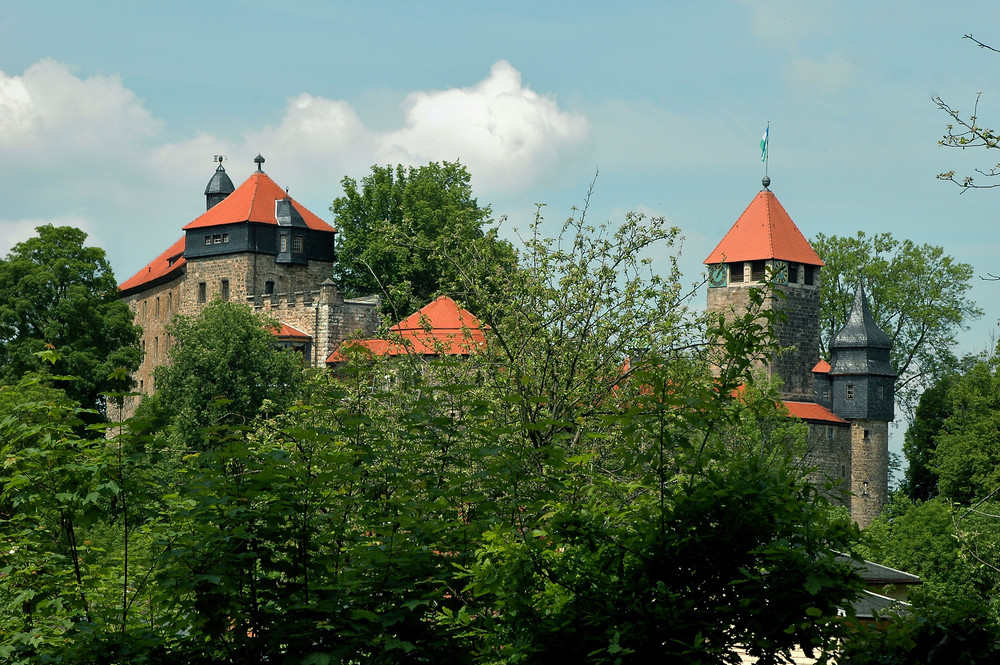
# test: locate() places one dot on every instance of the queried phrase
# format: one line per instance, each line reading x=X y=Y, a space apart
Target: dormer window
x=283 y=243
x=217 y=238
x=208 y=240
x=297 y=244
x=850 y=391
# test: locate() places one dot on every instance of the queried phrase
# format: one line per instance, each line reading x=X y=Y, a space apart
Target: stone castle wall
x=870 y=465
x=828 y=457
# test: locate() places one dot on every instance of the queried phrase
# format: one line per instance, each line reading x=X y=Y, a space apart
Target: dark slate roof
x=220 y=183
x=874 y=573
x=861 y=329
x=871 y=605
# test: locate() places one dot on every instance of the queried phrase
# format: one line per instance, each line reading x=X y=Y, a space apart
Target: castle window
x=208 y=240
x=296 y=243
x=225 y=238
x=202 y=292
x=850 y=391
x=269 y=287
x=810 y=275
x=143 y=310
x=141 y=384
x=826 y=392
x=157 y=306
x=868 y=434
x=283 y=243
x=843 y=471
x=224 y=289
x=830 y=433
x=144 y=347
x=156 y=347
x=881 y=392
x=170 y=301
x=793 y=273
x=217 y=238
x=735 y=272
x=757 y=270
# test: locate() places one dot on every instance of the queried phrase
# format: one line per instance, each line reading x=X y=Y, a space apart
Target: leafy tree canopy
x=918 y=296
x=224 y=370
x=394 y=225
x=60 y=293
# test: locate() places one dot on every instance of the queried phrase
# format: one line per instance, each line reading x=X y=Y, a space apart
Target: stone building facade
x=848 y=402
x=256 y=245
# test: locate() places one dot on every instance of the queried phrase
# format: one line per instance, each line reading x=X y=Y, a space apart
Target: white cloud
x=506 y=133
x=49 y=115
x=829 y=77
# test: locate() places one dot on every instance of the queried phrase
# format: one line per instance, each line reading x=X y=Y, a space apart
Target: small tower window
x=826 y=392
x=757 y=270
x=881 y=392
x=269 y=287
x=868 y=434
x=830 y=433
x=736 y=272
x=850 y=391
x=217 y=238
x=225 y=238
x=810 y=275
x=208 y=240
x=202 y=292
x=297 y=244
x=224 y=289
x=283 y=243
x=157 y=306
x=793 y=273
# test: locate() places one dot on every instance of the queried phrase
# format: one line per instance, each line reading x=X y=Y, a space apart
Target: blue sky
x=111 y=112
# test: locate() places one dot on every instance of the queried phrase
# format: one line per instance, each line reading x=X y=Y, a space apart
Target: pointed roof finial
x=259 y=161
x=766 y=182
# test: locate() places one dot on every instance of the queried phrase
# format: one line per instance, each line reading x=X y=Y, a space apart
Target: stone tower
x=764 y=239
x=859 y=387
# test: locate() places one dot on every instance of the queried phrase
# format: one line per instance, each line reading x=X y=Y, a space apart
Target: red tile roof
x=285 y=331
x=822 y=367
x=813 y=412
x=163 y=265
x=440 y=328
x=253 y=201
x=764 y=231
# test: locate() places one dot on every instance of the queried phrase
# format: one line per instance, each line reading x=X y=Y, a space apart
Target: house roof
x=822 y=367
x=164 y=267
x=440 y=328
x=764 y=231
x=285 y=331
x=253 y=201
x=813 y=412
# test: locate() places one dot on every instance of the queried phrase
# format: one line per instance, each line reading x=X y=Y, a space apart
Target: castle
x=848 y=402
x=257 y=245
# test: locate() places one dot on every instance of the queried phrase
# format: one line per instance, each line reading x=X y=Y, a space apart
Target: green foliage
x=967 y=451
x=225 y=370
x=59 y=293
x=920 y=481
x=955 y=634
x=394 y=226
x=918 y=296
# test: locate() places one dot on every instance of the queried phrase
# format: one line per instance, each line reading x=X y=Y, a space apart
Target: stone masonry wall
x=798 y=334
x=828 y=455
x=870 y=469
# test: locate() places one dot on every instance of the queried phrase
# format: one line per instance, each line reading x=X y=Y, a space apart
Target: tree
x=59 y=293
x=224 y=371
x=918 y=296
x=393 y=222
x=966 y=132
x=967 y=454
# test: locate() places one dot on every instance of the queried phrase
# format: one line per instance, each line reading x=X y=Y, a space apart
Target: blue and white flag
x=763 y=143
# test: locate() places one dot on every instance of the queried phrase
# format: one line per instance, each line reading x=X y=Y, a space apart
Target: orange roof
x=814 y=412
x=822 y=367
x=440 y=328
x=764 y=231
x=253 y=201
x=164 y=264
x=285 y=331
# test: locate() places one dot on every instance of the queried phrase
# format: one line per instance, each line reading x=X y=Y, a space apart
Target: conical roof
x=220 y=183
x=764 y=231
x=861 y=329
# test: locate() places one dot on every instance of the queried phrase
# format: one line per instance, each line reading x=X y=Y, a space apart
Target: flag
x=763 y=143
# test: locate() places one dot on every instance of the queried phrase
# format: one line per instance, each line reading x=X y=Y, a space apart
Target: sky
x=111 y=113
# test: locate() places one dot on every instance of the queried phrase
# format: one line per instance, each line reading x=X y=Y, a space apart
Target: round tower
x=862 y=391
